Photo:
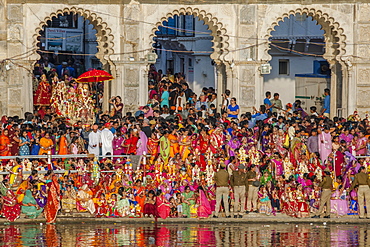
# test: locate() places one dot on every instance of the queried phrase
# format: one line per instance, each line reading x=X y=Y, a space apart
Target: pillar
x=220 y=85
x=333 y=89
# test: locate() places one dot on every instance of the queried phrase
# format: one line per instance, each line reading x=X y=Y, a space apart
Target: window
x=283 y=66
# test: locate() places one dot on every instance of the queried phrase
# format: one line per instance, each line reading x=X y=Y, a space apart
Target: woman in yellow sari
x=5 y=143
x=46 y=144
x=185 y=144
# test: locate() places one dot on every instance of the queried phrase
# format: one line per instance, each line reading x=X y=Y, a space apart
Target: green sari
x=164 y=145
x=30 y=211
x=186 y=207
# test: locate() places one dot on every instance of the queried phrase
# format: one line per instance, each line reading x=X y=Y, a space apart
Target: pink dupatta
x=204 y=209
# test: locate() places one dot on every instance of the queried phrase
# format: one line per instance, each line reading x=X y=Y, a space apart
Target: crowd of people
x=197 y=162
x=56 y=89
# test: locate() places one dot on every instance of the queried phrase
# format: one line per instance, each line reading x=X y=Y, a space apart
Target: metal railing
x=136 y=160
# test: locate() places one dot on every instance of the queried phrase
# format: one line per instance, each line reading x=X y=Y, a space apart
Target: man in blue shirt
x=267 y=101
x=326 y=108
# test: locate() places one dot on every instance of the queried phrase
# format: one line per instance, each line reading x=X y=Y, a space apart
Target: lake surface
x=218 y=234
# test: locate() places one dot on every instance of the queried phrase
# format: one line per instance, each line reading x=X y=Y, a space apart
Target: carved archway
x=335 y=50
x=334 y=35
x=218 y=31
x=104 y=36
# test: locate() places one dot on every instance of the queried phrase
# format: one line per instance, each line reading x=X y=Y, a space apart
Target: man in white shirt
x=94 y=140
x=107 y=139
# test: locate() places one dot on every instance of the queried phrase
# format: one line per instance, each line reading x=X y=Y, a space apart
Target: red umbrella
x=95 y=75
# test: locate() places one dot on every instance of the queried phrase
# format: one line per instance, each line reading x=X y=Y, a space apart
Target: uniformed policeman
x=363 y=193
x=222 y=190
x=239 y=181
x=327 y=186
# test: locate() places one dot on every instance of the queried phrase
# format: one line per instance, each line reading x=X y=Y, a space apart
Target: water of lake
x=218 y=234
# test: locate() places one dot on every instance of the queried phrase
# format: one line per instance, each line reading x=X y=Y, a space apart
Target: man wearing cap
x=94 y=140
x=222 y=190
x=238 y=181
x=107 y=139
x=363 y=193
x=326 y=185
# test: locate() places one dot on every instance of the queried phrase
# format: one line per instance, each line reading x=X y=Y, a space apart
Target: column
x=333 y=89
x=345 y=93
x=219 y=86
x=143 y=86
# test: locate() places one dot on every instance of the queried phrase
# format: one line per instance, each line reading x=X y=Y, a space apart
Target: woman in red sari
x=216 y=141
x=163 y=206
x=42 y=95
x=11 y=208
x=52 y=206
x=130 y=142
x=203 y=147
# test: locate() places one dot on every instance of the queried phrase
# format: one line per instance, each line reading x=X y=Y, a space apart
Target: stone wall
x=240 y=31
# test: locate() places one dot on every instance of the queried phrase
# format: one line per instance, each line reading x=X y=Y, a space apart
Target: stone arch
x=104 y=36
x=334 y=35
x=218 y=31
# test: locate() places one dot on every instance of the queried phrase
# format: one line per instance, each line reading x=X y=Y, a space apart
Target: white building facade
x=240 y=36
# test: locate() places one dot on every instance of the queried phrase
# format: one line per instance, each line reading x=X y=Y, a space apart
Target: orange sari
x=52 y=205
x=45 y=143
x=174 y=148
x=185 y=148
x=63 y=149
x=4 y=145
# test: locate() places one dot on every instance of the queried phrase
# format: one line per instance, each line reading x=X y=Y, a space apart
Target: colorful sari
x=4 y=145
x=53 y=205
x=204 y=209
x=142 y=144
x=163 y=207
x=186 y=207
x=43 y=94
x=185 y=147
x=150 y=209
x=69 y=200
x=31 y=212
x=117 y=145
x=216 y=142
x=174 y=145
x=84 y=200
x=164 y=148
x=11 y=208
x=123 y=207
x=63 y=146
x=101 y=207
x=153 y=148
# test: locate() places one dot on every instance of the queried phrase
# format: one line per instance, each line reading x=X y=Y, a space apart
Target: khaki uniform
x=239 y=181
x=363 y=193
x=252 y=192
x=222 y=190
x=326 y=186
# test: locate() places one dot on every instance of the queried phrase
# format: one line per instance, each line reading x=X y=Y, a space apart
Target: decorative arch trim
x=104 y=36
x=218 y=31
x=334 y=34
